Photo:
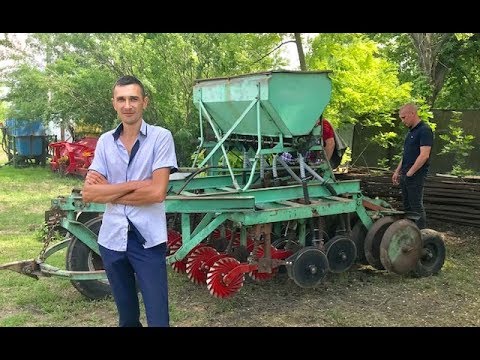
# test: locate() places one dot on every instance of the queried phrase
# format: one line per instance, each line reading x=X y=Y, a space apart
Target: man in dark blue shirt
x=413 y=168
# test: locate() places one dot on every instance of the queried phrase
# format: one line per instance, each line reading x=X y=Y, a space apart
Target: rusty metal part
x=358 y=234
x=266 y=269
x=261 y=254
x=52 y=221
x=341 y=253
x=373 y=240
x=26 y=267
x=371 y=206
x=400 y=249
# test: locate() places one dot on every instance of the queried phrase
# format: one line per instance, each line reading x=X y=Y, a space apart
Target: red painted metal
x=73 y=157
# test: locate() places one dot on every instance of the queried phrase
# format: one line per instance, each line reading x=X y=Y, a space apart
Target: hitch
x=26 y=267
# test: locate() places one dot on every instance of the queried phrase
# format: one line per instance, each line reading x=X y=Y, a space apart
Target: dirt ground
x=362 y=296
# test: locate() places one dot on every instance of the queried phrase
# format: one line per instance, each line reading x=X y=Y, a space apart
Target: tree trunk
x=429 y=47
x=301 y=55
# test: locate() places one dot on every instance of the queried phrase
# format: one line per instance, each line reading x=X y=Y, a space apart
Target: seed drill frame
x=258 y=215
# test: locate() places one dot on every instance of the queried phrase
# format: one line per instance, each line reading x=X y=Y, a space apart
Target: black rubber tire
x=81 y=258
x=435 y=246
x=85 y=216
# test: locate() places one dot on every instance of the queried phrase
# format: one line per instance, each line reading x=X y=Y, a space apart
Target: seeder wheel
x=307 y=267
x=358 y=234
x=400 y=249
x=174 y=241
x=216 y=275
x=433 y=253
x=195 y=268
x=341 y=253
x=81 y=258
x=374 y=238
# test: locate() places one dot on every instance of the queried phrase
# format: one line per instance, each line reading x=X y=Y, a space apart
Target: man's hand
x=396 y=178
x=94 y=178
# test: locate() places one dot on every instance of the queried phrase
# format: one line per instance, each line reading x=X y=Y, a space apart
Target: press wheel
x=433 y=253
x=401 y=245
x=81 y=258
x=308 y=267
x=341 y=253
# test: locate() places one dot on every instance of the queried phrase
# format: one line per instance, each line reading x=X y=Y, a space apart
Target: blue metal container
x=28 y=136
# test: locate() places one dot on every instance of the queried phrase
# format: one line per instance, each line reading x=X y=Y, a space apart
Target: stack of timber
x=446 y=198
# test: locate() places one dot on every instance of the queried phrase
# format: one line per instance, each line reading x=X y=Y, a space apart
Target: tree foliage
x=67 y=77
x=443 y=67
x=365 y=86
x=73 y=83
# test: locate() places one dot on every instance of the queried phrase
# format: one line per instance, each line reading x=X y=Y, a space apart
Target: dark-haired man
x=130 y=173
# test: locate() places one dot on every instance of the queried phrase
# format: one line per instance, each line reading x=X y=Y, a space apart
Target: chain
x=49 y=235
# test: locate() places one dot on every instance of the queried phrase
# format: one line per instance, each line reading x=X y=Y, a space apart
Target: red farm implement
x=73 y=157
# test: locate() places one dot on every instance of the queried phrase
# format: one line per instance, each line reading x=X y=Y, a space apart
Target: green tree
x=459 y=144
x=366 y=89
x=365 y=86
x=443 y=67
x=76 y=72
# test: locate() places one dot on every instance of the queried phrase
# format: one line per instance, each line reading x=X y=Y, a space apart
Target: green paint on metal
x=362 y=212
x=49 y=270
x=205 y=220
x=402 y=238
x=291 y=101
x=200 y=183
x=227 y=201
x=189 y=242
x=75 y=202
x=317 y=208
x=57 y=247
x=204 y=204
x=290 y=192
x=81 y=232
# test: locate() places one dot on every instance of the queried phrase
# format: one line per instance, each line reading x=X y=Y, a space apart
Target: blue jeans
x=412 y=194
x=145 y=266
